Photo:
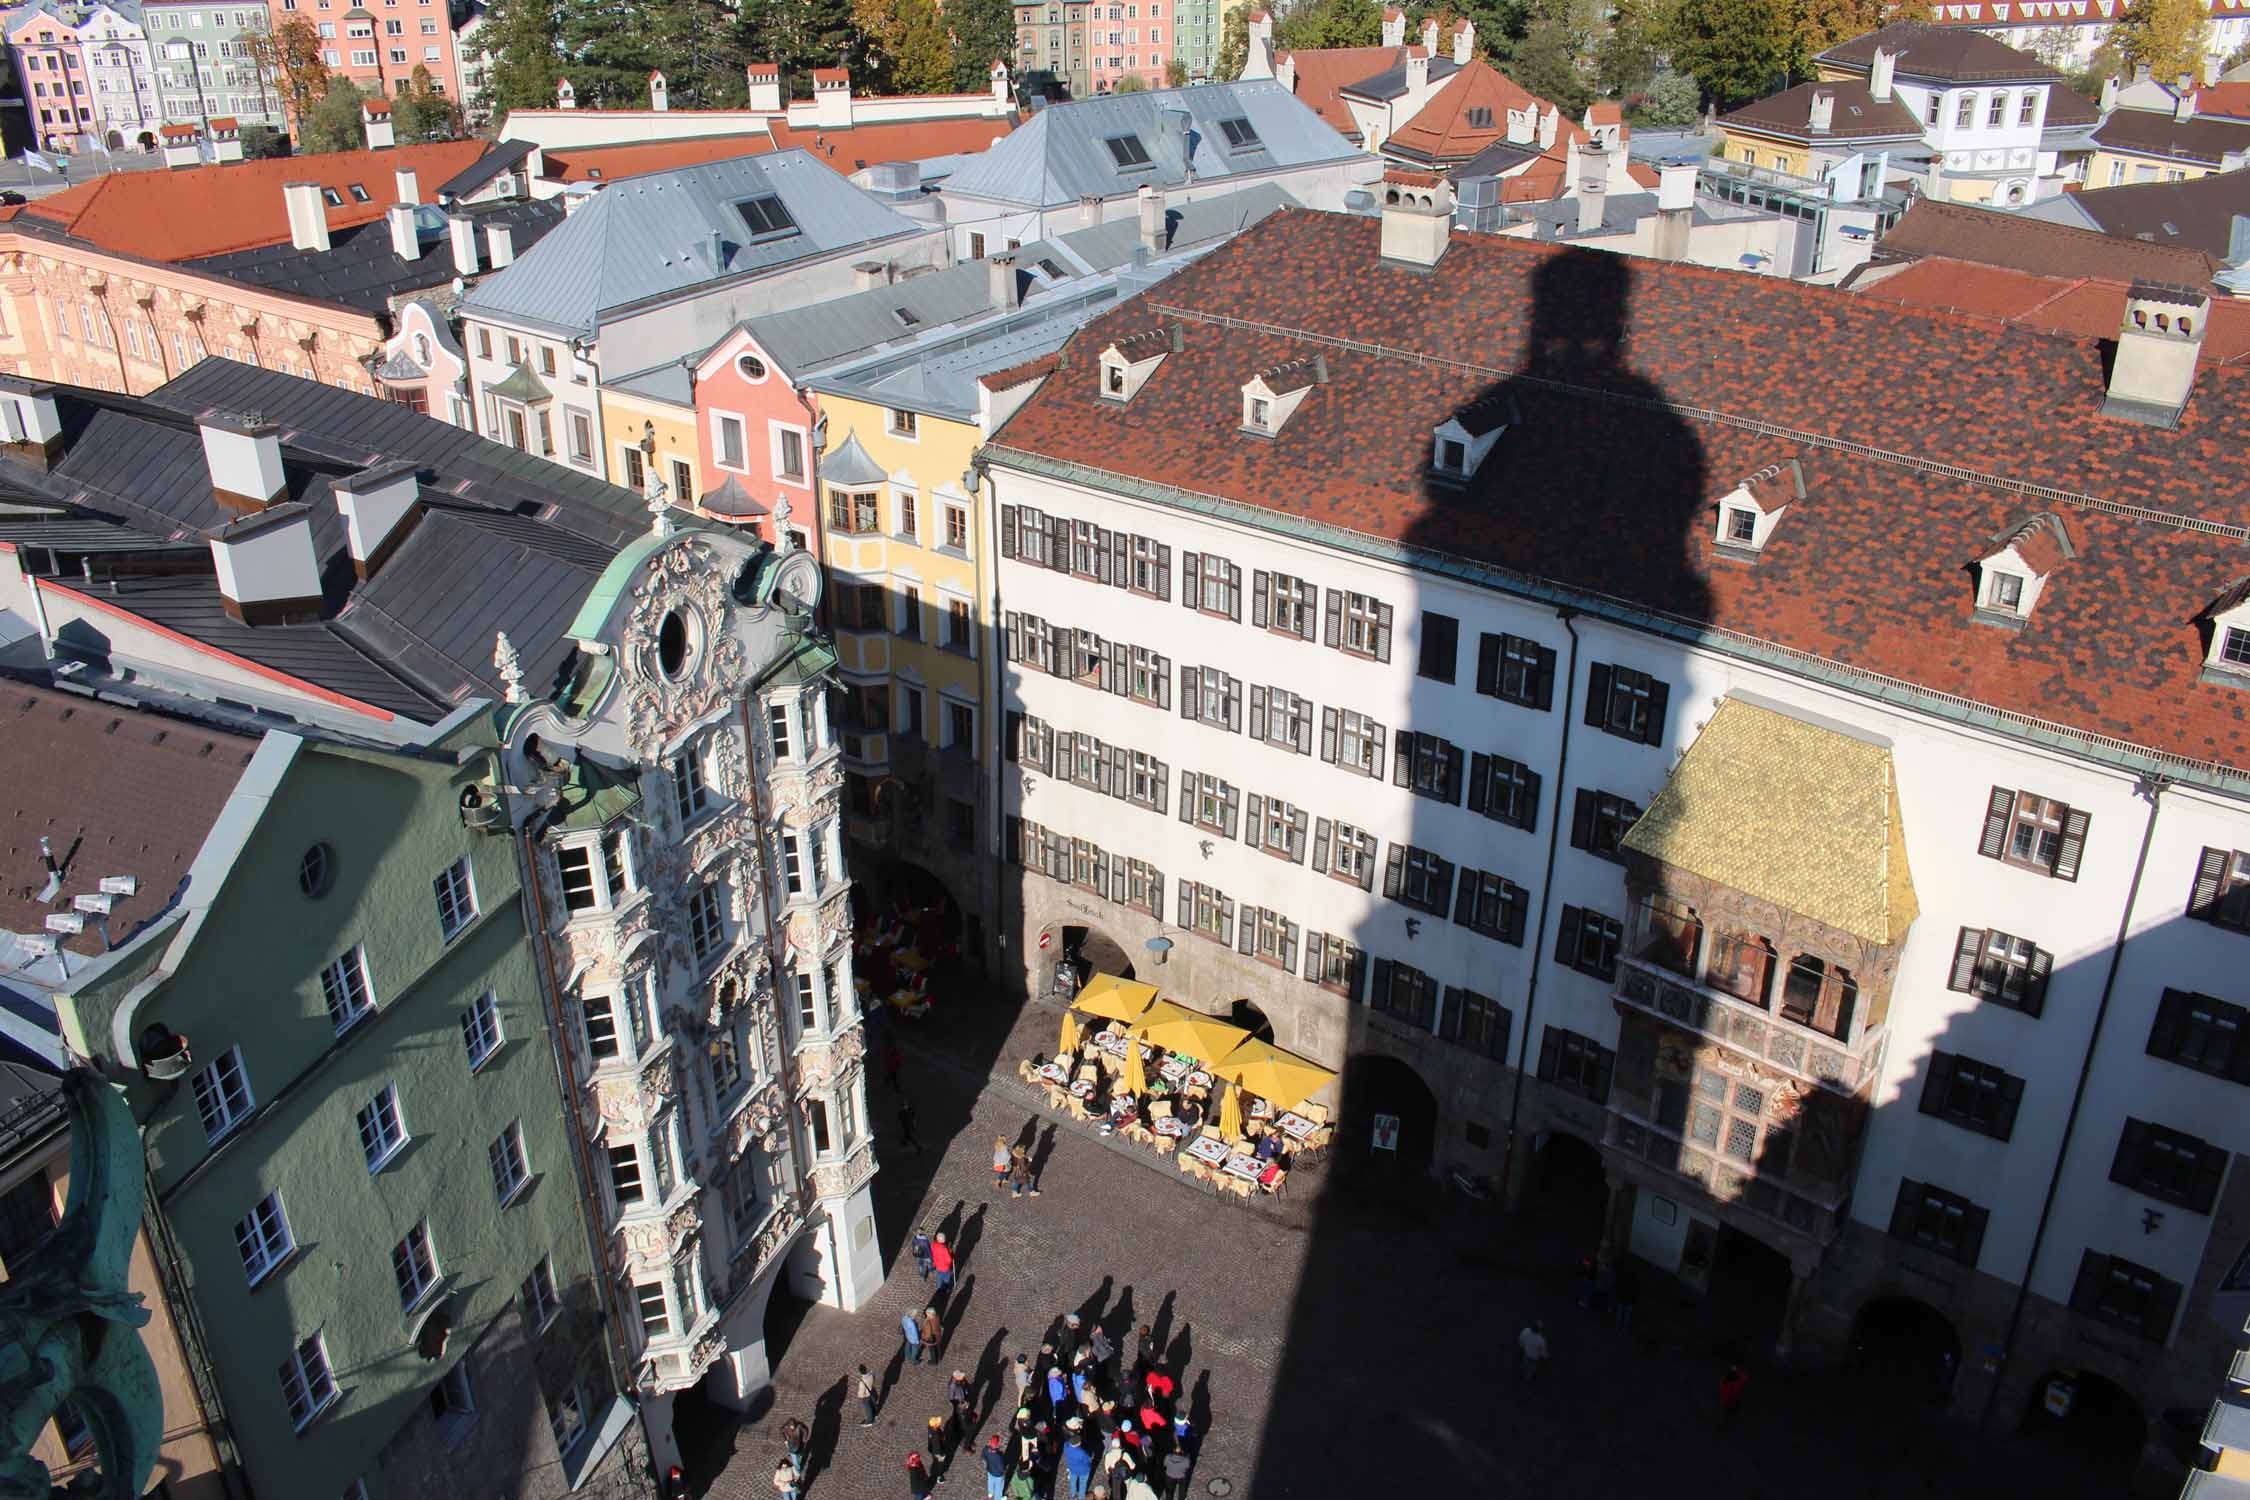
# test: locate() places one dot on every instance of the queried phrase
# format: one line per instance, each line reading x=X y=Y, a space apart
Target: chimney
x=1417 y=218
x=1429 y=35
x=1593 y=185
x=379 y=506
x=1822 y=113
x=2238 y=240
x=2109 y=93
x=1006 y=290
x=566 y=97
x=1417 y=81
x=464 y=232
x=2158 y=344
x=1880 y=73
x=180 y=148
x=1550 y=120
x=2183 y=99
x=1675 y=207
x=1394 y=26
x=226 y=139
x=832 y=99
x=765 y=88
x=1000 y=88
x=1090 y=209
x=1257 y=60
x=500 y=245
x=308 y=215
x=1464 y=41
x=405 y=242
x=1180 y=126
x=409 y=186
x=1153 y=227
x=269 y=572
x=32 y=422
x=870 y=274
x=659 y=92
x=375 y=115
x=714 y=251
x=244 y=459
x=1522 y=124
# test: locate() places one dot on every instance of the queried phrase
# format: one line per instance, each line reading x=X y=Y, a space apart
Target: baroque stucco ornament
x=685 y=580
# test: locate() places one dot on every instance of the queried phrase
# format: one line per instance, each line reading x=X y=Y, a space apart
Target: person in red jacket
x=1731 y=1386
x=941 y=1261
x=918 y=1481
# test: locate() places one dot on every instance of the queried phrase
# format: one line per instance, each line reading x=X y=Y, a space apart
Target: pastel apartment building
x=378 y=50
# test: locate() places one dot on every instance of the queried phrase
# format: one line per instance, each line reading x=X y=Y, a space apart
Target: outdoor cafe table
x=1243 y=1165
x=1297 y=1127
x=1169 y=1126
x=1054 y=1074
x=1110 y=1042
x=1082 y=1089
x=1208 y=1149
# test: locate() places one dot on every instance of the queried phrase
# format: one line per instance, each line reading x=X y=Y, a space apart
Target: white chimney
x=1000 y=91
x=1522 y=125
x=31 y=417
x=1593 y=185
x=1822 y=113
x=1879 y=75
x=1151 y=200
x=375 y=117
x=226 y=140
x=500 y=245
x=379 y=506
x=1417 y=218
x=1417 y=80
x=1464 y=41
x=566 y=97
x=409 y=186
x=1675 y=184
x=269 y=572
x=2109 y=93
x=1429 y=35
x=870 y=274
x=2158 y=345
x=1394 y=26
x=463 y=229
x=2183 y=99
x=1006 y=291
x=659 y=92
x=308 y=215
x=1257 y=60
x=1550 y=121
x=1090 y=209
x=832 y=99
x=405 y=243
x=244 y=460
x=765 y=88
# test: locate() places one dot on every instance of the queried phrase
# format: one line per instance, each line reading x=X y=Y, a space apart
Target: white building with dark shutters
x=1622 y=719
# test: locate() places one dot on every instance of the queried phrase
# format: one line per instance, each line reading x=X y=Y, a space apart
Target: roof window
x=1480 y=117
x=359 y=194
x=331 y=197
x=1752 y=509
x=1241 y=135
x=1127 y=363
x=1272 y=396
x=765 y=217
x=905 y=316
x=1462 y=440
x=2011 y=577
x=2226 y=650
x=1127 y=151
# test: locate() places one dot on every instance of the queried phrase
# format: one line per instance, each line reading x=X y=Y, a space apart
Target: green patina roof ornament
x=67 y=1317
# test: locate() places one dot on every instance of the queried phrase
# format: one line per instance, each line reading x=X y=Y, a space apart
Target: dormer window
x=1241 y=135
x=1750 y=511
x=2004 y=591
x=2233 y=648
x=1460 y=444
x=1113 y=381
x=1127 y=364
x=1453 y=455
x=1272 y=397
x=2228 y=648
x=1741 y=526
x=2011 y=578
x=1261 y=415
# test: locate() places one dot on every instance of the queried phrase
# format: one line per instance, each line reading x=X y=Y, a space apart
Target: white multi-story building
x=681 y=801
x=1645 y=720
x=118 y=67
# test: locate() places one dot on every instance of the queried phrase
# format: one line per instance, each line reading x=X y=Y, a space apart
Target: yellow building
x=1809 y=130
x=2147 y=145
x=648 y=425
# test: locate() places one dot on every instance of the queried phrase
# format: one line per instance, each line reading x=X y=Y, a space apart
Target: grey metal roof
x=359 y=269
x=803 y=338
x=1059 y=155
x=647 y=237
x=731 y=499
x=672 y=382
x=851 y=464
x=1391 y=82
x=1202 y=221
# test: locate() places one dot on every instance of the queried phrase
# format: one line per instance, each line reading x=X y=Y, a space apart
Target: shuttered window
x=1206 y=910
x=1493 y=905
x=1266 y=935
x=1427 y=766
x=1405 y=993
x=2001 y=968
x=2033 y=833
x=1209 y=803
x=1516 y=670
x=1587 y=941
x=1284 y=605
x=2169 y=1164
x=1352 y=741
x=1626 y=703
x=1419 y=878
x=1211 y=585
x=2131 y=1296
x=1345 y=852
x=1212 y=697
x=1276 y=828
x=1334 y=964
x=1475 y=1021
x=1577 y=1063
x=2221 y=893
x=1281 y=719
x=1359 y=624
x=1598 y=822
x=2199 y=1032
x=1504 y=790
x=1938 y=1220
x=1973 y=1095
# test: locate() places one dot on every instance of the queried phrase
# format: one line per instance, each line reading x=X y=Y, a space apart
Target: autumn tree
x=1734 y=49
x=1234 y=45
x=424 y=114
x=2168 y=37
x=288 y=62
x=1131 y=83
x=1330 y=23
x=1821 y=24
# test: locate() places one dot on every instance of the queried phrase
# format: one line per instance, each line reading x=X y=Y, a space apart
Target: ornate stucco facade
x=679 y=797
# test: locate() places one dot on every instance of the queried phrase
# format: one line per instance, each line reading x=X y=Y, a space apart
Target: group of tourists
x=1091 y=1420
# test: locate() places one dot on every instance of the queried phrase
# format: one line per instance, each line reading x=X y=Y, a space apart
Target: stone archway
x=146 y=140
x=1906 y=1349
x=2090 y=1420
x=1247 y=1015
x=1379 y=1088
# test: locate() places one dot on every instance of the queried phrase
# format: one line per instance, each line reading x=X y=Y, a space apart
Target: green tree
x=1131 y=83
x=800 y=35
x=696 y=45
x=333 y=123
x=1176 y=74
x=984 y=32
x=2169 y=36
x=1547 y=65
x=523 y=39
x=424 y=114
x=1734 y=49
x=1672 y=103
x=1330 y=23
x=1625 y=59
x=261 y=141
x=1234 y=45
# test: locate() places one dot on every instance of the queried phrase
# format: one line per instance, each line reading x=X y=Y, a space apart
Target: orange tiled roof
x=2080 y=306
x=609 y=163
x=198 y=211
x=1323 y=73
x=1441 y=132
x=864 y=145
x=2229 y=100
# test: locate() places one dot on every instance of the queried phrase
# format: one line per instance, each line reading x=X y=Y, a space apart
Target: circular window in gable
x=672 y=644
x=752 y=367
x=316 y=871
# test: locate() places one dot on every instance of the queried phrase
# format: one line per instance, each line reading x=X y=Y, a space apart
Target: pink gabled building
x=51 y=67
x=379 y=49
x=754 y=439
x=1131 y=41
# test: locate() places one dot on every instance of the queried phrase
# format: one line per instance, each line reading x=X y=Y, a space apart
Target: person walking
x=1002 y=1159
x=961 y=1397
x=796 y=1437
x=933 y=1334
x=940 y=1440
x=1019 y=1174
x=1024 y=1374
x=863 y=1386
x=919 y=1484
x=906 y=1127
x=995 y=1468
x=1144 y=1353
x=1058 y=1390
x=1732 y=1386
x=785 y=1479
x=1533 y=1344
x=1078 y=1459
x=922 y=1252
x=1176 y=1468
x=1161 y=1387
x=893 y=1060
x=912 y=1326
x=941 y=1259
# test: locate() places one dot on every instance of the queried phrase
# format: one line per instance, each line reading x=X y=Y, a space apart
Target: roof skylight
x=765 y=216
x=1127 y=151
x=1241 y=134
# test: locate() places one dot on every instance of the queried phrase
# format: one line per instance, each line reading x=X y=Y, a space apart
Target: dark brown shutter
x=2210 y=876
x=1907 y=1209
x=2163 y=1302
x=1289 y=946
x=1550 y=1047
x=1402 y=758
x=1257 y=825
x=1546 y=686
x=1257 y=712
x=1451 y=782
x=1516 y=904
x=1441 y=894
x=1012 y=841
x=1058 y=544
x=1187 y=905
x=1328 y=735
x=1382 y=632
x=1191 y=692
x=1394 y=873
x=1465 y=900
x=1247 y=933
x=1323 y=831
x=1488 y=664
x=1375 y=736
x=2035 y=982
x=2210 y=1168
x=1229 y=810
x=1297 y=822
x=1007 y=531
x=2086 y=1291
x=1188 y=780
x=2072 y=848
x=1480 y=777
x=1121 y=559
x=1161 y=774
x=1313 y=949
x=1155 y=892
x=1605 y=1067
x=1566 y=940
x=1012 y=744
x=1120 y=668
x=1261 y=594
x=1659 y=696
x=1973 y=1220
x=2132 y=1148
x=1334 y=616
x=2171 y=1015
x=1234 y=704
x=1582 y=821
x=2011 y=1096
x=1380 y=996
x=1191 y=579
x=1998 y=808
x=1161 y=670
x=1528 y=800
x=1966 y=950
x=1597 y=695
x=1937 y=1083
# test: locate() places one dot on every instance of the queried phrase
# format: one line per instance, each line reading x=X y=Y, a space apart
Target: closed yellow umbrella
x=1282 y=1079
x=1069 y=1040
x=1230 y=1114
x=1136 y=1078
x=1175 y=1028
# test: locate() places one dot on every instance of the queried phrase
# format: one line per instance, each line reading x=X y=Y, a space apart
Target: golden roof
x=1791 y=812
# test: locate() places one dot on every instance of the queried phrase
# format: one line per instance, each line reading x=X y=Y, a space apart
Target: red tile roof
x=1441 y=133
x=198 y=211
x=376 y=105
x=865 y=145
x=1647 y=390
x=2082 y=307
x=2229 y=100
x=1015 y=375
x=609 y=163
x=1323 y=73
x=1963 y=231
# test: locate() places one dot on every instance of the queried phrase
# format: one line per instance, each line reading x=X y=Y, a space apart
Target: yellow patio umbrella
x=1136 y=1078
x=1230 y=1115
x=1282 y=1079
x=1069 y=1040
x=1113 y=999
x=1175 y=1028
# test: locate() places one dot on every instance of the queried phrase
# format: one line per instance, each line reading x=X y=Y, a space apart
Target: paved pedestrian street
x=1358 y=1338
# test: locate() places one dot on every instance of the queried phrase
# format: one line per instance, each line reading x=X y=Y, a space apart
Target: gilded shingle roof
x=1791 y=812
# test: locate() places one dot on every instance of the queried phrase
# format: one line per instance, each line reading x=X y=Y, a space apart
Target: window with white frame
x=707 y=926
x=811 y=1014
x=690 y=797
x=726 y=435
x=262 y=1235
x=1281 y=718
x=480 y=1029
x=777 y=729
x=566 y=1417
x=656 y=1312
x=792 y=865
x=510 y=1169
x=738 y=1191
x=581 y=887
x=599 y=1014
x=789 y=454
x=343 y=983
x=957 y=528
x=816 y=1118
x=456 y=893
x=1352 y=741
x=1345 y=852
x=306 y=1382
x=414 y=1266
x=538 y=1297
x=222 y=1094
x=1285 y=605
x=382 y=1129
x=625 y=1175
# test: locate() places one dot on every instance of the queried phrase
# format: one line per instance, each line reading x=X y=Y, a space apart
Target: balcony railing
x=1795 y=1049
x=1801 y=1207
